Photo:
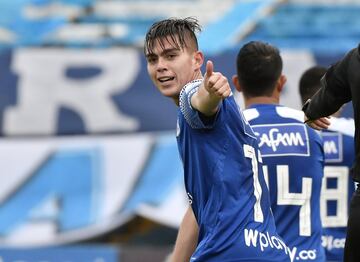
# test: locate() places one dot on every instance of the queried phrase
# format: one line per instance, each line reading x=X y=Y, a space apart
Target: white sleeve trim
x=342 y=125
x=288 y=112
x=191 y=115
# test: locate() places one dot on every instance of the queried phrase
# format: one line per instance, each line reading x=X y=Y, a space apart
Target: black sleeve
x=335 y=90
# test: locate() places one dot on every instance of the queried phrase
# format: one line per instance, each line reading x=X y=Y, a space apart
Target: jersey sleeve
x=335 y=90
x=191 y=115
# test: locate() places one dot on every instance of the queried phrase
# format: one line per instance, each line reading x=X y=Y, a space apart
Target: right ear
x=236 y=83
x=199 y=59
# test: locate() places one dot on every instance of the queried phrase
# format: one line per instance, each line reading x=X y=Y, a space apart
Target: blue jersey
x=338 y=185
x=293 y=161
x=225 y=185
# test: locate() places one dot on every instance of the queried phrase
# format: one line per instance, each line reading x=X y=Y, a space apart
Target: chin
x=171 y=92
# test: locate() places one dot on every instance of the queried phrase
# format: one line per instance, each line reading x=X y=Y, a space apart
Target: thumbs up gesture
x=215 y=83
x=213 y=89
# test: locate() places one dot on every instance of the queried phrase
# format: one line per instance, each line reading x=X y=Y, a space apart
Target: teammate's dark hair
x=174 y=30
x=259 y=66
x=310 y=82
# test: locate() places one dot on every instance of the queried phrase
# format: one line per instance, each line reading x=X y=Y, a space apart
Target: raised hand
x=318 y=124
x=215 y=83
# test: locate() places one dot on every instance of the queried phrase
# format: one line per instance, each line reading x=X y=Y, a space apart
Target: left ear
x=199 y=59
x=235 y=80
x=281 y=82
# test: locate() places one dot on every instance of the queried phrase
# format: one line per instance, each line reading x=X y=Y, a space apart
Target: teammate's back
x=338 y=186
x=292 y=153
x=293 y=163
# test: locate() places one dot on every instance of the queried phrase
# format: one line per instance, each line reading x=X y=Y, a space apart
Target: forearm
x=334 y=93
x=212 y=90
x=205 y=102
x=186 y=239
x=322 y=104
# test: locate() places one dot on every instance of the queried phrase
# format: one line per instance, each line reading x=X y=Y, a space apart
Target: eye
x=171 y=56
x=151 y=60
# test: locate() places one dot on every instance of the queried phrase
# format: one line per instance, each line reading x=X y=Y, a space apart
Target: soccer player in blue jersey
x=292 y=153
x=338 y=186
x=229 y=218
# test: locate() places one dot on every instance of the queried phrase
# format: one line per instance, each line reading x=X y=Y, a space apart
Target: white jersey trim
x=288 y=112
x=251 y=114
x=342 y=125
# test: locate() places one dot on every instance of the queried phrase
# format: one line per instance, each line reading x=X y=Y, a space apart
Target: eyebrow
x=164 y=52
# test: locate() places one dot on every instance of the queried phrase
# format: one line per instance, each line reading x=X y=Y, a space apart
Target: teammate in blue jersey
x=229 y=218
x=292 y=153
x=338 y=186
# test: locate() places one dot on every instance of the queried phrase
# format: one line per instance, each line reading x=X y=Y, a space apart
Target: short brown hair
x=177 y=29
x=259 y=66
x=310 y=82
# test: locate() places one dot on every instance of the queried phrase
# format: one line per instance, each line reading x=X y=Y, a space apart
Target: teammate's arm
x=335 y=91
x=186 y=239
x=213 y=89
x=318 y=124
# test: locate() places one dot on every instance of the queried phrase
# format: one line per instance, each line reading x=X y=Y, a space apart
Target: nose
x=161 y=65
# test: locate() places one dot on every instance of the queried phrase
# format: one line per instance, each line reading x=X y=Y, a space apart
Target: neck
x=261 y=100
x=197 y=75
x=176 y=100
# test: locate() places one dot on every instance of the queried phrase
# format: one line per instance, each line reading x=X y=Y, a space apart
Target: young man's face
x=171 y=68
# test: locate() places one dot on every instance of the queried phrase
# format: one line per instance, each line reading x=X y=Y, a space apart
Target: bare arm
x=186 y=239
x=213 y=89
x=318 y=124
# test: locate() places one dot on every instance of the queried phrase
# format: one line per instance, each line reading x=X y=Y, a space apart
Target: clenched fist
x=215 y=83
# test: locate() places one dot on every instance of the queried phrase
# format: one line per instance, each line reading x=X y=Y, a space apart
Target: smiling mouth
x=165 y=79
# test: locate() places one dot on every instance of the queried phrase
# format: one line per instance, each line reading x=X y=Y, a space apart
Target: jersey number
x=338 y=194
x=249 y=152
x=284 y=197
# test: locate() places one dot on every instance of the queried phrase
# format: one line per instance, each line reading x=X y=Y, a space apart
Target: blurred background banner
x=86 y=91
x=59 y=254
x=87 y=145
x=61 y=190
x=102 y=91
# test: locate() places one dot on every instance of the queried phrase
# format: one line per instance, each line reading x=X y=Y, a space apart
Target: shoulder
x=195 y=118
x=352 y=56
x=298 y=116
x=355 y=52
x=358 y=49
x=251 y=114
x=287 y=112
x=189 y=89
x=342 y=125
x=275 y=111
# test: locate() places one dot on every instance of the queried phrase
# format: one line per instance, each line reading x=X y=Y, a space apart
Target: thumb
x=209 y=68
